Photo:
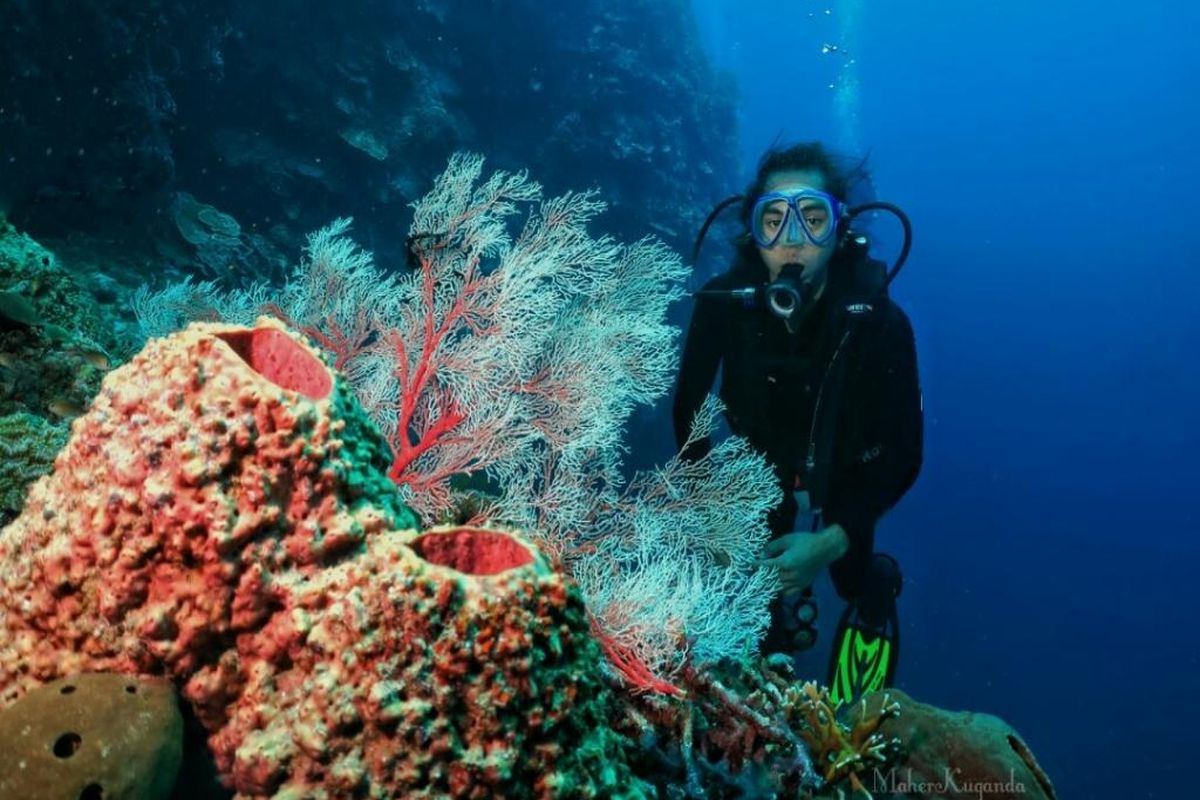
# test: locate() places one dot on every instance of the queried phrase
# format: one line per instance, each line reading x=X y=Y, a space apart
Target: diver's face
x=814 y=258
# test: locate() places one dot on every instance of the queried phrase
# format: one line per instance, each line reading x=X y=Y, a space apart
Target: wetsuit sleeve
x=886 y=446
x=697 y=371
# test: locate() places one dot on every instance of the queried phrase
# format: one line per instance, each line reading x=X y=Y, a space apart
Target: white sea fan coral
x=518 y=348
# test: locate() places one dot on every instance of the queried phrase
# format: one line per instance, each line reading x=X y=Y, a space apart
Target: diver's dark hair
x=843 y=177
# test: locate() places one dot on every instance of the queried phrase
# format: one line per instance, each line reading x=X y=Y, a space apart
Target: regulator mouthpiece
x=785 y=294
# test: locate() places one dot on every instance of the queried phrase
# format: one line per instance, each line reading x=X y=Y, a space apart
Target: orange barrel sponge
x=215 y=461
x=450 y=663
x=222 y=516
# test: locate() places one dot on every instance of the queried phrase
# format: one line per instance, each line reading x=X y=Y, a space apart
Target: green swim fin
x=863 y=658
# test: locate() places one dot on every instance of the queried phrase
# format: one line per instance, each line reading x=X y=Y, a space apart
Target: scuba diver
x=819 y=373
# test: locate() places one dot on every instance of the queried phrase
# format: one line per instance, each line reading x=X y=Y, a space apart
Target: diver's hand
x=800 y=557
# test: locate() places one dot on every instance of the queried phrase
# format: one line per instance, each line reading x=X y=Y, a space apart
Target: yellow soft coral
x=840 y=751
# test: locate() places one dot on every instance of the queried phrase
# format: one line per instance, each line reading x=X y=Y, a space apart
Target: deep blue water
x=1046 y=154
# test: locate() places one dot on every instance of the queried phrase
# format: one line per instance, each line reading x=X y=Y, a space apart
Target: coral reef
x=28 y=445
x=56 y=339
x=222 y=516
x=843 y=747
x=746 y=728
x=56 y=302
x=518 y=359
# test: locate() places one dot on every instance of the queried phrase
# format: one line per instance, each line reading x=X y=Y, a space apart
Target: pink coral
x=222 y=516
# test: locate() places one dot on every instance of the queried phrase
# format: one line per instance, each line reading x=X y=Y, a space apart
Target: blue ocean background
x=1046 y=153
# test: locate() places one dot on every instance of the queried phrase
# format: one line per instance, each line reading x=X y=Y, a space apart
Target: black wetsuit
x=770 y=384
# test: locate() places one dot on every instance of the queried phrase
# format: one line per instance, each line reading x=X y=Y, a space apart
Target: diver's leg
x=866 y=647
x=881 y=586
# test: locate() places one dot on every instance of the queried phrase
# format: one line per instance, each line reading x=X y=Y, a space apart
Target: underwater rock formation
x=955 y=755
x=56 y=338
x=269 y=118
x=221 y=516
x=92 y=737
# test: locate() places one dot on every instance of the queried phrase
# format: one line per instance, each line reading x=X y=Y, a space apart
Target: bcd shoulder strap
x=871 y=283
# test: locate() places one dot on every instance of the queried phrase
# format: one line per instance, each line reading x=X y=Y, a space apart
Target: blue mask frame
x=793 y=222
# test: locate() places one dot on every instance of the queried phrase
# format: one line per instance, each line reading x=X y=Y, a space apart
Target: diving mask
x=792 y=217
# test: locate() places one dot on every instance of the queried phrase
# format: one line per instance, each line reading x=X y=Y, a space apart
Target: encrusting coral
x=222 y=516
x=28 y=445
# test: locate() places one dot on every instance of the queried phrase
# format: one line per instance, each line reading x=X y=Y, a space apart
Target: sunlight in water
x=846 y=99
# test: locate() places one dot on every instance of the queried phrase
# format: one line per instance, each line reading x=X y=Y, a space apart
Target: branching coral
x=841 y=750
x=745 y=729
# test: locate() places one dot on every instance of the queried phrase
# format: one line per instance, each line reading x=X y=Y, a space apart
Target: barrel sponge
x=450 y=663
x=221 y=516
x=214 y=460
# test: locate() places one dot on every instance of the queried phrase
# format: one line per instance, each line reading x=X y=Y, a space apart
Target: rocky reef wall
x=211 y=137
